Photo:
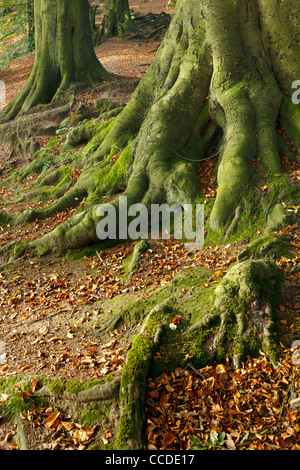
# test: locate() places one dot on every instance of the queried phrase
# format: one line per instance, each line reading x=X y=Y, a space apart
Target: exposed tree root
x=241 y=323
x=133 y=382
x=169 y=124
x=139 y=249
x=246 y=296
x=151 y=26
x=99 y=392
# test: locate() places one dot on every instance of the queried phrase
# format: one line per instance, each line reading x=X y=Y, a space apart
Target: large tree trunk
x=63 y=53
x=222 y=76
x=116 y=20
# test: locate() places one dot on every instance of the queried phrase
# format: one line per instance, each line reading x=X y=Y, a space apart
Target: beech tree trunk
x=116 y=20
x=64 y=53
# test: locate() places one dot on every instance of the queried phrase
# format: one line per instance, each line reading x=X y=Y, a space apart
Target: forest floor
x=50 y=309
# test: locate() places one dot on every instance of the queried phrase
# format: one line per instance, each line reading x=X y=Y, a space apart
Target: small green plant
x=215 y=441
x=64 y=126
x=18 y=403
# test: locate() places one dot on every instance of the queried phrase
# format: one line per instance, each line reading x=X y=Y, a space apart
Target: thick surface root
x=246 y=297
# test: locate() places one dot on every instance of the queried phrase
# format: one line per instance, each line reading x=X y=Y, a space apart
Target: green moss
x=41 y=163
x=273 y=245
x=246 y=281
x=179 y=350
x=112 y=175
x=256 y=207
x=98 y=138
x=139 y=249
x=137 y=364
x=90 y=417
x=20 y=249
x=59 y=387
x=7 y=384
x=126 y=263
x=133 y=390
x=125 y=430
x=191 y=301
x=105 y=106
x=74 y=387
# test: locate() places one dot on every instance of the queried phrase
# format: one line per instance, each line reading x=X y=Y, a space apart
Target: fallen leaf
x=83 y=435
x=53 y=419
x=8 y=437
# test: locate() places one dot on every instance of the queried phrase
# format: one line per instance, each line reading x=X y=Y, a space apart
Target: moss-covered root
x=71 y=198
x=14 y=250
x=130 y=434
x=140 y=248
x=97 y=393
x=246 y=298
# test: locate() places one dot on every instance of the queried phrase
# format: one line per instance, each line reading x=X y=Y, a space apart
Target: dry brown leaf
x=53 y=420
x=82 y=435
x=68 y=425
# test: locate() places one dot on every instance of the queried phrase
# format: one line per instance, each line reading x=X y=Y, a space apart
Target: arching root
x=134 y=375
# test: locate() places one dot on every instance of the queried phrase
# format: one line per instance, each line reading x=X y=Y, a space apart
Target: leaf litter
x=247 y=407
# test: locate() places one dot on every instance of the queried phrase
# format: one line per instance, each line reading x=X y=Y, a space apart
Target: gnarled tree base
x=227 y=322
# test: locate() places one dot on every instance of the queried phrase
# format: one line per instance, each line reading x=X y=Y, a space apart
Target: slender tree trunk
x=63 y=53
x=116 y=20
x=93 y=11
x=30 y=23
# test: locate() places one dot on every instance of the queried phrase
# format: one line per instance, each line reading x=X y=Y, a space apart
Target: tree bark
x=64 y=54
x=116 y=20
x=30 y=23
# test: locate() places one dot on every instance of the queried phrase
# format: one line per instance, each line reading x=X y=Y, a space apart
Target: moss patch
x=260 y=210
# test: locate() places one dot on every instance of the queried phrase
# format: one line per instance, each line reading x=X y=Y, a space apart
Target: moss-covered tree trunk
x=63 y=53
x=116 y=20
x=222 y=77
